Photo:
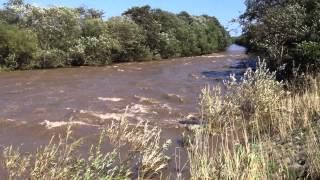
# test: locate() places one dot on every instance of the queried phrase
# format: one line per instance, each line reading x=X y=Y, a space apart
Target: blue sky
x=224 y=10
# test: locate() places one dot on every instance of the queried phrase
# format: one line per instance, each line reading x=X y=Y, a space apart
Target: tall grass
x=264 y=131
x=143 y=152
x=253 y=128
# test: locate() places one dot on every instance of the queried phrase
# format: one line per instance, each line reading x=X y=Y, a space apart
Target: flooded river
x=35 y=104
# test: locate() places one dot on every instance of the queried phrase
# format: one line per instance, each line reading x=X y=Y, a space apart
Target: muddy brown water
x=34 y=105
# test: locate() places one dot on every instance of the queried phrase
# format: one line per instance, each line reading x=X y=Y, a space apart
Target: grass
x=135 y=148
x=264 y=131
x=252 y=128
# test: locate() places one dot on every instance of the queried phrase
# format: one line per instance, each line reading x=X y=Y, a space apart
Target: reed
x=264 y=131
x=59 y=160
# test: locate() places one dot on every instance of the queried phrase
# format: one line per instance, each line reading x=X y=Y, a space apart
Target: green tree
x=56 y=27
x=277 y=29
x=61 y=36
x=143 y=17
x=50 y=58
x=131 y=37
x=93 y=27
x=170 y=26
x=14 y=11
x=93 y=50
x=17 y=46
x=309 y=53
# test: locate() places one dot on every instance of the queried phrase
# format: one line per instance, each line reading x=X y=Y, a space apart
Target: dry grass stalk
x=253 y=116
x=62 y=160
x=145 y=143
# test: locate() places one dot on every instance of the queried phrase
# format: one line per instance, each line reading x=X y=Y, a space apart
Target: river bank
x=254 y=128
x=40 y=103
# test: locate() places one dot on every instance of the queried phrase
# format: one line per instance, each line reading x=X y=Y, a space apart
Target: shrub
x=82 y=35
x=56 y=27
x=17 y=46
x=93 y=50
x=131 y=38
x=51 y=58
x=169 y=46
x=309 y=55
x=275 y=28
x=93 y=27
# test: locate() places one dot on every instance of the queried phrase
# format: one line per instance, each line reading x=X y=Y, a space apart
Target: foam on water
x=51 y=125
x=138 y=108
x=175 y=97
x=105 y=116
x=213 y=56
x=146 y=100
x=110 y=99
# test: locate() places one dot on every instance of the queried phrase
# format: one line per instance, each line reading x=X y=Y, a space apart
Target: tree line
x=286 y=32
x=37 y=37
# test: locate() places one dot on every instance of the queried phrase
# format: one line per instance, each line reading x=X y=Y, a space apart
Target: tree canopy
x=38 y=37
x=286 y=32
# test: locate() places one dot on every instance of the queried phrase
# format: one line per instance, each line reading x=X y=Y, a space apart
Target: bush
x=56 y=27
x=93 y=27
x=64 y=36
x=132 y=40
x=93 y=50
x=309 y=55
x=52 y=58
x=282 y=31
x=17 y=46
x=169 y=46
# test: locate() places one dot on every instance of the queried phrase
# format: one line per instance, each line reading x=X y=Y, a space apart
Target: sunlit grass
x=262 y=130
x=143 y=156
x=252 y=128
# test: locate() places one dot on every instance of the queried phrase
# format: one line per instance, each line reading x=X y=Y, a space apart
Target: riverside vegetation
x=264 y=132
x=285 y=32
x=265 y=128
x=134 y=147
x=35 y=37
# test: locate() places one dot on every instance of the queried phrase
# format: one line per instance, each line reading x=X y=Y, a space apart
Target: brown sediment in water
x=35 y=105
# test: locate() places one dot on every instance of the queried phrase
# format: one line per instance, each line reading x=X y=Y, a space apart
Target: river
x=36 y=104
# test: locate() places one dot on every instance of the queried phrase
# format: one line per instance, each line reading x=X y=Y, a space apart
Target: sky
x=224 y=10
